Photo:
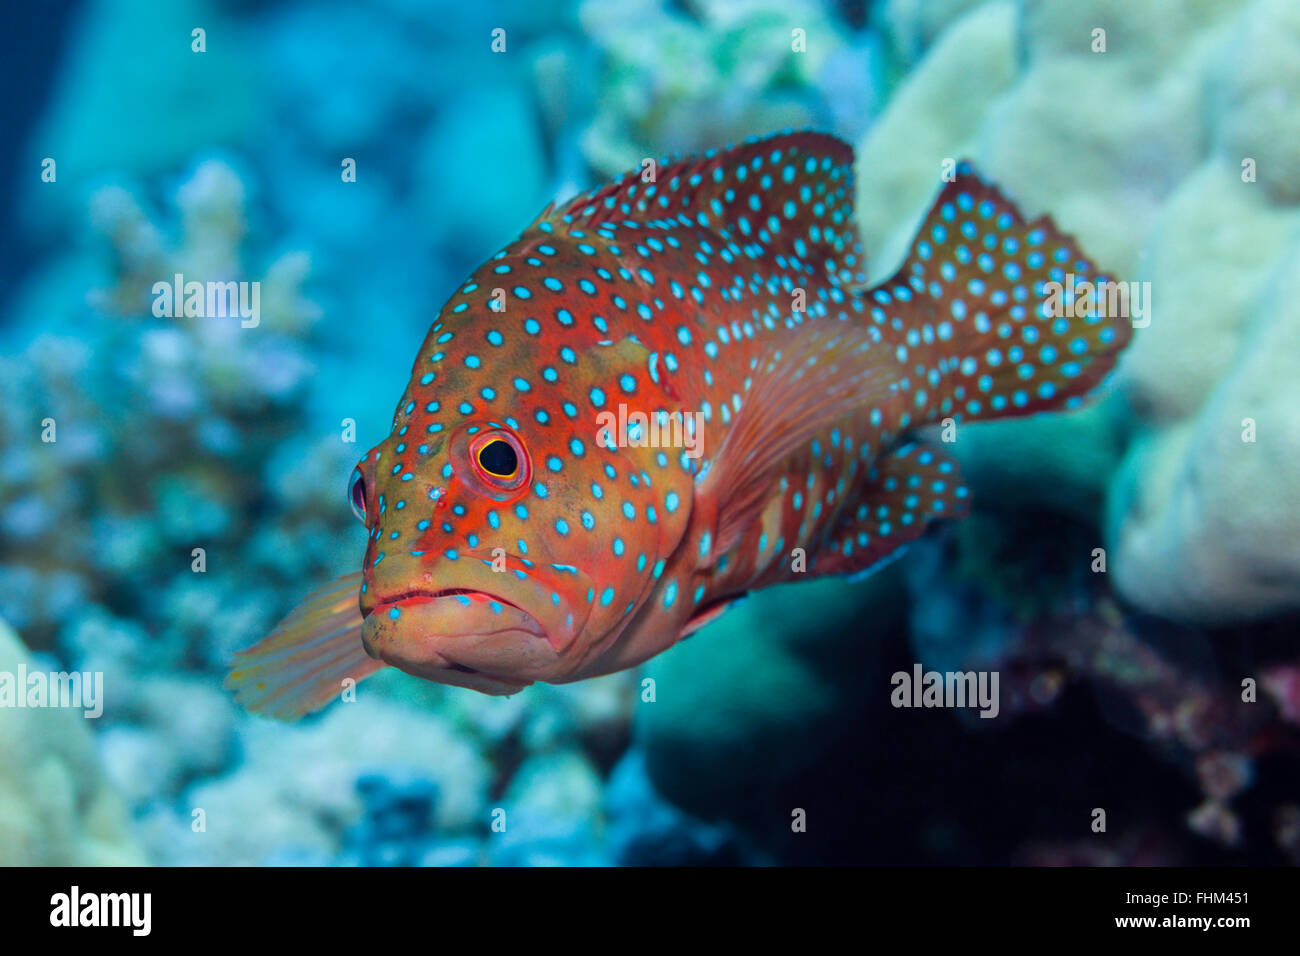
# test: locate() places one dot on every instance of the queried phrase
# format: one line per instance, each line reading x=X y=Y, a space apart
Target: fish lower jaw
x=419 y=659
x=458 y=612
x=460 y=675
x=462 y=638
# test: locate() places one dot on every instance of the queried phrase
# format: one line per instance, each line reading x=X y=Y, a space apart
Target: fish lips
x=462 y=637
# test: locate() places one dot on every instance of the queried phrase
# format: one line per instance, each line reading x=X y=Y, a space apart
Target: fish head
x=512 y=536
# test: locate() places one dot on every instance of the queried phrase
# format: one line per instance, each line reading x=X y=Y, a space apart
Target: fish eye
x=498 y=458
x=357 y=495
x=492 y=462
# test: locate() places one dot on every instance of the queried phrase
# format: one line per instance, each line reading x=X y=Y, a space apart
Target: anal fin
x=906 y=490
x=709 y=613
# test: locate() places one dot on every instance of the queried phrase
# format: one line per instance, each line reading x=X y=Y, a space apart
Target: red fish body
x=667 y=394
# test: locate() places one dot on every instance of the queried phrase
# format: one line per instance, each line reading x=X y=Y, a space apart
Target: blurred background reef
x=1120 y=690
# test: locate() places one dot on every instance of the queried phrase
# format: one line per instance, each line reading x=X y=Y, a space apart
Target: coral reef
x=151 y=425
x=764 y=696
x=132 y=439
x=1154 y=144
x=175 y=434
x=56 y=807
x=680 y=78
x=1198 y=524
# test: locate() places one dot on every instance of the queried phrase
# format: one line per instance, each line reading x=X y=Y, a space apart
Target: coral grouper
x=672 y=391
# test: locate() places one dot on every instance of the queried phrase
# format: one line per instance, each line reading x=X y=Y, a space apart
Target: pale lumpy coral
x=1164 y=136
x=56 y=807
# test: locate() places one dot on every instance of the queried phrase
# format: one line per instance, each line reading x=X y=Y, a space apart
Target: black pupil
x=498 y=458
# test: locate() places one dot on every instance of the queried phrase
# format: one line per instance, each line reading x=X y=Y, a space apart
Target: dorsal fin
x=791 y=194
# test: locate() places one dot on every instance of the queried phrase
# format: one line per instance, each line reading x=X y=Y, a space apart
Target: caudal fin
x=993 y=329
x=300 y=667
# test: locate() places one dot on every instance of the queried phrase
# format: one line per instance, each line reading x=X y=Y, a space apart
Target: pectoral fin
x=300 y=667
x=820 y=377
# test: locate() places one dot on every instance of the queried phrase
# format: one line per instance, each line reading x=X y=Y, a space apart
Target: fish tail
x=1003 y=317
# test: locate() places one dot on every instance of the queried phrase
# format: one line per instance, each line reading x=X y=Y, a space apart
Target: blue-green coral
x=1167 y=142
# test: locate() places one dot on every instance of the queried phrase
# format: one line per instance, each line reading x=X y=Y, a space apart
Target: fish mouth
x=407 y=598
x=462 y=636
